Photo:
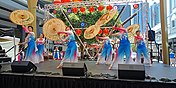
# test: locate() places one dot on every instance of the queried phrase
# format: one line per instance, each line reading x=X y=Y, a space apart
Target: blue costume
x=124 y=49
x=57 y=55
x=31 y=49
x=40 y=47
x=106 y=55
x=71 y=51
x=141 y=48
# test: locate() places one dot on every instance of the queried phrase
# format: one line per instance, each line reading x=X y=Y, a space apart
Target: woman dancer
x=31 y=49
x=71 y=51
x=141 y=48
x=40 y=46
x=106 y=55
x=123 y=49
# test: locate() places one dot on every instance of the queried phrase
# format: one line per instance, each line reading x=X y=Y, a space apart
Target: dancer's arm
x=97 y=38
x=103 y=38
x=119 y=29
x=138 y=37
x=65 y=32
x=114 y=34
x=25 y=29
x=26 y=40
x=63 y=40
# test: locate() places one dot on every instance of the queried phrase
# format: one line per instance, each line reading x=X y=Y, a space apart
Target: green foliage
x=87 y=17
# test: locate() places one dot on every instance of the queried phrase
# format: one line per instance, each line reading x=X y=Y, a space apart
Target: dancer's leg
x=101 y=58
x=145 y=52
x=138 y=58
x=127 y=50
x=119 y=58
x=109 y=56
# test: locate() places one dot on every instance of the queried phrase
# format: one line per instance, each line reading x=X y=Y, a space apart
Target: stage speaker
x=23 y=66
x=74 y=69
x=131 y=71
x=151 y=35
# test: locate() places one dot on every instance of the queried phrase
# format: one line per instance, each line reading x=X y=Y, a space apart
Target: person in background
x=20 y=54
x=56 y=54
x=172 y=58
x=40 y=46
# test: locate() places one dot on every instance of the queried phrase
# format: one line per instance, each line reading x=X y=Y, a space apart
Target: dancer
x=32 y=48
x=71 y=51
x=123 y=49
x=106 y=55
x=40 y=46
x=57 y=54
x=141 y=48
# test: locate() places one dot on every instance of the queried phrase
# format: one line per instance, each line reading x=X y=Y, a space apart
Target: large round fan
x=52 y=27
x=21 y=17
x=105 y=18
x=132 y=31
x=91 y=32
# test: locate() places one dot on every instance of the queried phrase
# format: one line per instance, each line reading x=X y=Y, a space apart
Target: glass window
x=174 y=3
x=173 y=23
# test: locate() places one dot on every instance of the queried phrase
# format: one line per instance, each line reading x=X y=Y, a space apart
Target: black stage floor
x=158 y=70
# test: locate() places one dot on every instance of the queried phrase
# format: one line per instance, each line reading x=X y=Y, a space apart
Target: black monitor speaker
x=74 y=69
x=23 y=66
x=151 y=35
x=0 y=47
x=131 y=71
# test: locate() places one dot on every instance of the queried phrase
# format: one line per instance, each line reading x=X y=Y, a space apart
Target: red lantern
x=76 y=0
x=78 y=32
x=55 y=11
x=106 y=31
x=91 y=9
x=100 y=32
x=75 y=9
x=64 y=1
x=109 y=7
x=56 y=2
x=100 y=8
x=135 y=6
x=82 y=9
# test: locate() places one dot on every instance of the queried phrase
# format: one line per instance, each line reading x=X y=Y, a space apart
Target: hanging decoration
x=56 y=2
x=100 y=32
x=74 y=9
x=135 y=6
x=69 y=10
x=82 y=9
x=76 y=0
x=109 y=7
x=78 y=32
x=91 y=9
x=106 y=31
x=64 y=1
x=100 y=8
x=55 y=11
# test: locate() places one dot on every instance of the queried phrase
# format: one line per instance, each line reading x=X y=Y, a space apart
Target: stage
x=52 y=79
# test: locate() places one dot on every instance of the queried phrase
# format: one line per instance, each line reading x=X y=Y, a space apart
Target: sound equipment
x=0 y=47
x=151 y=35
x=23 y=66
x=131 y=71
x=74 y=69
